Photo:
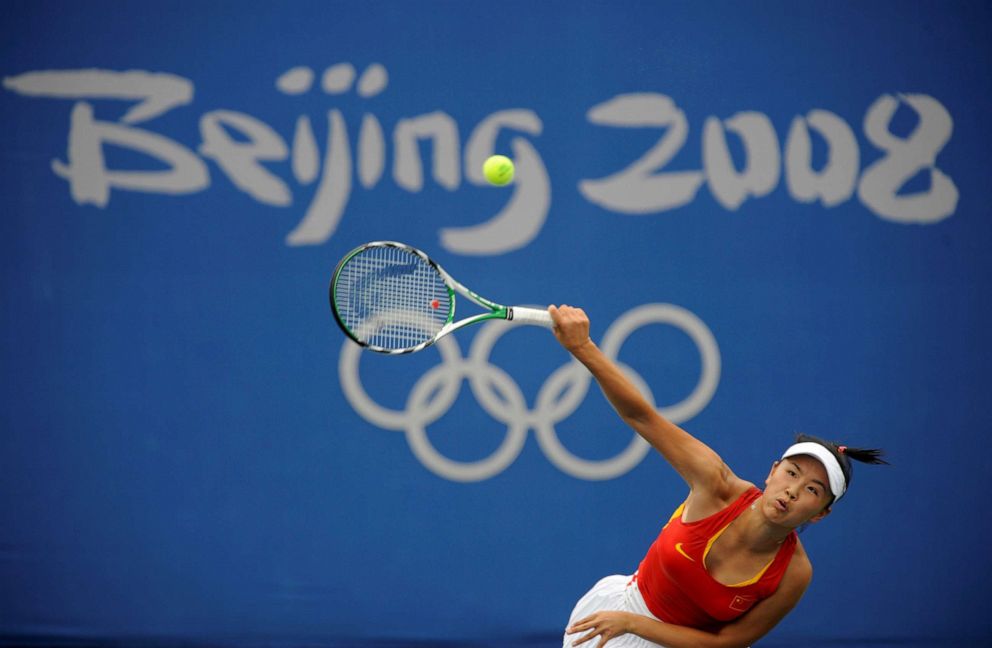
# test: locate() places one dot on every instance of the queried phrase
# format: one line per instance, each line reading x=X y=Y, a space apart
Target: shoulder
x=727 y=486
x=703 y=502
x=731 y=488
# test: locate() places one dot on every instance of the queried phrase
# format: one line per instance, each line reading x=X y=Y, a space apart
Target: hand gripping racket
x=392 y=298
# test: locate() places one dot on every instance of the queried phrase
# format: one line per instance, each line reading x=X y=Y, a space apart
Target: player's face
x=796 y=492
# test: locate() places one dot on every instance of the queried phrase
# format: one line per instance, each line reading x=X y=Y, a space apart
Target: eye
x=815 y=491
x=792 y=473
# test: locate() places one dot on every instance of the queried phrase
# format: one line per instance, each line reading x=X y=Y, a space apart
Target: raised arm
x=697 y=463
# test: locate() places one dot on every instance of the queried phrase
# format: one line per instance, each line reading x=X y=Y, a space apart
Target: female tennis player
x=728 y=566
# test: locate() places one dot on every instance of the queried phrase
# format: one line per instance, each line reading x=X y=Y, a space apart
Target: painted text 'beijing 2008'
x=643 y=186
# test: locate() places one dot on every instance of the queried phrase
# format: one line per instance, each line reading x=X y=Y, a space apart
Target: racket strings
x=391 y=298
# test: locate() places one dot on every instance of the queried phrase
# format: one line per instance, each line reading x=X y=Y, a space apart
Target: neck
x=758 y=532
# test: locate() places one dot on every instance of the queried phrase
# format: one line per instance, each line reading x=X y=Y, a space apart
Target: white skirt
x=616 y=593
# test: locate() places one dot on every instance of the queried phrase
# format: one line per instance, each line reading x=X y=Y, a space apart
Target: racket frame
x=496 y=311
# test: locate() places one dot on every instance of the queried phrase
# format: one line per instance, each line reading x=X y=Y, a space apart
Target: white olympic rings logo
x=501 y=397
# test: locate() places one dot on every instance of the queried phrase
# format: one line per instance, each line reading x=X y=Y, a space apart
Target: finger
x=582 y=640
x=585 y=623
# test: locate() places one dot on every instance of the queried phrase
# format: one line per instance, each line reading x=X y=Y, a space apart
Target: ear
x=819 y=516
x=774 y=466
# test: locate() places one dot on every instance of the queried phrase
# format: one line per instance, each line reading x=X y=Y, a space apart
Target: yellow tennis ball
x=498 y=170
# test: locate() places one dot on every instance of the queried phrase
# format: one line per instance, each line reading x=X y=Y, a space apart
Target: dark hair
x=844 y=454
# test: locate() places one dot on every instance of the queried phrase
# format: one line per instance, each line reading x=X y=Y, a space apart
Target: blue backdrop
x=775 y=215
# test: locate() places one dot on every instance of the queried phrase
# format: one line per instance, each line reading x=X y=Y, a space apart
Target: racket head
x=390 y=297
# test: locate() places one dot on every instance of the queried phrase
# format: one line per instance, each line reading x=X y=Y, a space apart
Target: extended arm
x=696 y=462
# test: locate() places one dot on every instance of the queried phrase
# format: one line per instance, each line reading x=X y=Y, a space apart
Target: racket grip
x=534 y=316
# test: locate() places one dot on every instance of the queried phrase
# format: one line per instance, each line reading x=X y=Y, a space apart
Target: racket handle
x=534 y=316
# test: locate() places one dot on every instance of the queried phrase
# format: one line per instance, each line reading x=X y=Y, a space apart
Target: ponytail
x=864 y=455
x=844 y=455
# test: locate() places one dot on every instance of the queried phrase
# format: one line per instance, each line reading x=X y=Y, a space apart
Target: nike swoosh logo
x=678 y=548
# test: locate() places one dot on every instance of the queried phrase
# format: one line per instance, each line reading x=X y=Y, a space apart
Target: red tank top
x=677 y=588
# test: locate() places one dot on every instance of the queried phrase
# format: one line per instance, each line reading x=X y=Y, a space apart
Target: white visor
x=834 y=473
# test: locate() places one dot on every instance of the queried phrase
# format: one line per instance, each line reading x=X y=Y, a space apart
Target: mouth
x=781 y=505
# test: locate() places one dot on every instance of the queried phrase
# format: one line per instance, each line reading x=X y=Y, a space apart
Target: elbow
x=718 y=641
x=638 y=415
x=730 y=637
x=632 y=418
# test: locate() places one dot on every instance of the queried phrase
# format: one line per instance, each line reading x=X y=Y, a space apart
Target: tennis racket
x=393 y=298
